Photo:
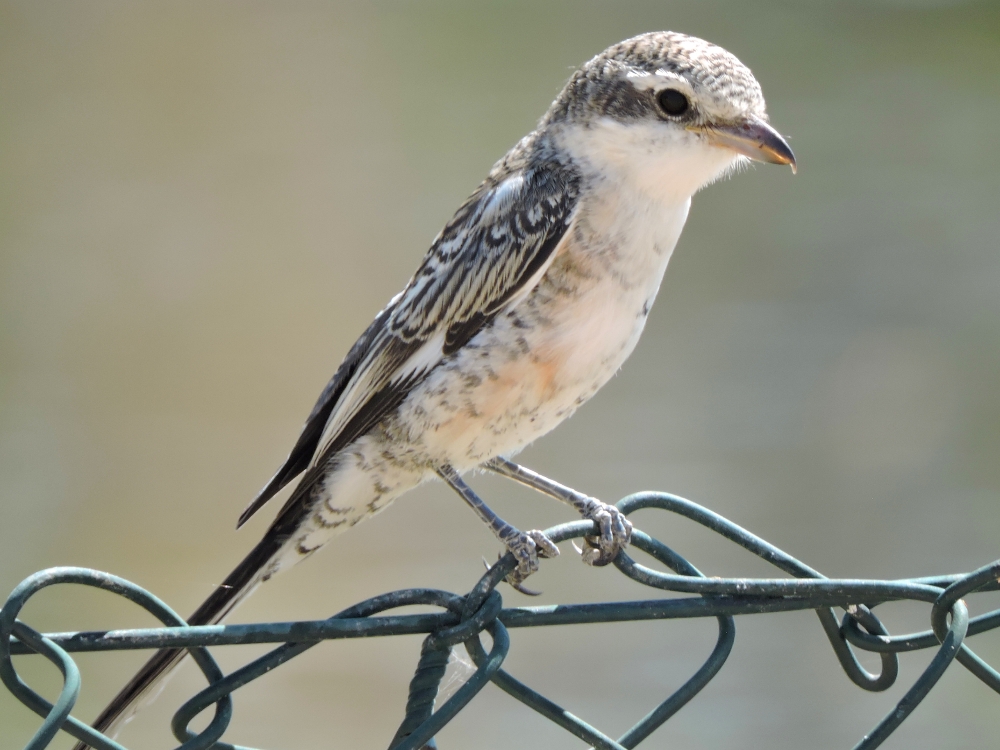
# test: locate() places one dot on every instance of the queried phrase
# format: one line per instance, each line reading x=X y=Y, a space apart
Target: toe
x=544 y=546
x=615 y=532
x=607 y=531
x=591 y=555
x=527 y=560
x=621 y=528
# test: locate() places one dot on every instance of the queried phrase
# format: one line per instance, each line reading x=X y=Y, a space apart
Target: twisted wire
x=463 y=619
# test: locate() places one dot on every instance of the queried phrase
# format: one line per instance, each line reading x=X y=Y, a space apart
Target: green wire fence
x=463 y=619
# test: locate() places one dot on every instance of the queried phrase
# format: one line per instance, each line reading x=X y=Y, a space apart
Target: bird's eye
x=673 y=102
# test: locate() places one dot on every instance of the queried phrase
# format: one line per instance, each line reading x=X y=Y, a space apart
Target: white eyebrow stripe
x=643 y=79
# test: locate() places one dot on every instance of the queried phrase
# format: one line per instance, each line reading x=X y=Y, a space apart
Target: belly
x=532 y=368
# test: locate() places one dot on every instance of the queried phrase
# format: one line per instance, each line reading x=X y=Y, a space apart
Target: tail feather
x=238 y=585
x=147 y=683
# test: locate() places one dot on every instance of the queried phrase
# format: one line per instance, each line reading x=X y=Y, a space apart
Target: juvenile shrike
x=527 y=302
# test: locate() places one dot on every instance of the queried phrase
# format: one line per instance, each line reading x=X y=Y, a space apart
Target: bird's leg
x=526 y=546
x=616 y=529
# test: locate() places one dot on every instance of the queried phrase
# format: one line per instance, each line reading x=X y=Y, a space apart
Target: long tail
x=238 y=585
x=255 y=568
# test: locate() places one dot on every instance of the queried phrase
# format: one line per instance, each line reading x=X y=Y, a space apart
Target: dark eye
x=672 y=102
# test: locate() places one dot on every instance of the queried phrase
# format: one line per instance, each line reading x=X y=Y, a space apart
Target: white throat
x=667 y=165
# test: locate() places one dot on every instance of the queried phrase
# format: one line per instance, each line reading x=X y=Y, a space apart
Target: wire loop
x=463 y=619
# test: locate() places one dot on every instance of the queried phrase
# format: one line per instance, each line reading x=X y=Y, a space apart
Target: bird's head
x=670 y=110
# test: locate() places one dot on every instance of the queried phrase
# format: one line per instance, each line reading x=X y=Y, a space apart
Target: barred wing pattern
x=497 y=240
x=494 y=250
x=491 y=252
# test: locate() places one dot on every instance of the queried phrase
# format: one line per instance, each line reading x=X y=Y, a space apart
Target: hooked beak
x=753 y=138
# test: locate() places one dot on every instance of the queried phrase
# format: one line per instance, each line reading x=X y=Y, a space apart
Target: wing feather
x=304 y=449
x=500 y=240
x=494 y=250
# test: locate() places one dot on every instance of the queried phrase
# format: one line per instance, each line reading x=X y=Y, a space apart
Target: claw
x=512 y=579
x=527 y=547
x=595 y=554
x=523 y=589
x=615 y=534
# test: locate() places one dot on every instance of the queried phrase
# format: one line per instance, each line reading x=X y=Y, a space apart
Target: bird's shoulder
x=500 y=235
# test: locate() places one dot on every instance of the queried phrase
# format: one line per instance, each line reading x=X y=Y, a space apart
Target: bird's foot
x=616 y=533
x=527 y=547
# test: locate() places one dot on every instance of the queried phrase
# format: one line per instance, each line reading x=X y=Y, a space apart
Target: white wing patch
x=422 y=361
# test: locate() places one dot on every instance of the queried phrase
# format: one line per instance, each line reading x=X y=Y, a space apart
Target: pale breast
x=594 y=300
x=541 y=360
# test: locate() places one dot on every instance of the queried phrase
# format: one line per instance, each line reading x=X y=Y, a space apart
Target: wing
x=495 y=249
x=305 y=447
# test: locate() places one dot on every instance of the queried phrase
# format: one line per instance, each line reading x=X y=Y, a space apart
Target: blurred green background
x=203 y=204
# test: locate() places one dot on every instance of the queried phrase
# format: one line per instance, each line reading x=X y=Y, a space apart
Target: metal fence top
x=462 y=619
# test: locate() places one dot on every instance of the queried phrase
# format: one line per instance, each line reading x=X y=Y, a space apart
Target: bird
x=527 y=302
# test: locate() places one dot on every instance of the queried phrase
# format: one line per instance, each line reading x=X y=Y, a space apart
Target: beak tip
x=753 y=138
x=781 y=153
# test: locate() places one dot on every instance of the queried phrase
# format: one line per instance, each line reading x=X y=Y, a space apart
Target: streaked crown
x=622 y=82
